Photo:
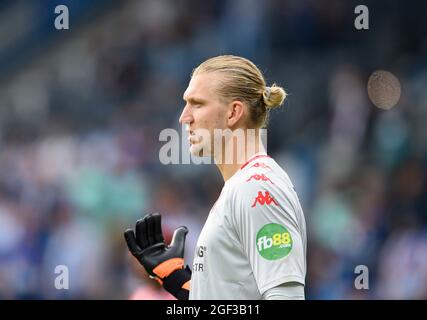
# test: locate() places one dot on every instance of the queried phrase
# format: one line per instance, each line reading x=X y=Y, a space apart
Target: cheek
x=221 y=121
x=210 y=118
x=220 y=117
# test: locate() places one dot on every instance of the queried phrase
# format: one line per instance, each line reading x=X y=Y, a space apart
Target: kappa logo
x=260 y=165
x=263 y=199
x=258 y=177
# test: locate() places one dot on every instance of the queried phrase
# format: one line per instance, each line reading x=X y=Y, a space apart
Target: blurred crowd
x=80 y=120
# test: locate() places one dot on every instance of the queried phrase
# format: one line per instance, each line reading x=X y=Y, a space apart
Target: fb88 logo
x=279 y=239
x=273 y=241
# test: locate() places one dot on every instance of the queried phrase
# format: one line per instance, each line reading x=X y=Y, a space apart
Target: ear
x=235 y=112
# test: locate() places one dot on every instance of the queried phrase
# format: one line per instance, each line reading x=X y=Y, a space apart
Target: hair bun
x=274 y=96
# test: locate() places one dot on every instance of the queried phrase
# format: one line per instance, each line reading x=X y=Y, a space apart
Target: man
x=253 y=244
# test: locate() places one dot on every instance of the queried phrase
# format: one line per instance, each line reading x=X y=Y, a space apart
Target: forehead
x=202 y=86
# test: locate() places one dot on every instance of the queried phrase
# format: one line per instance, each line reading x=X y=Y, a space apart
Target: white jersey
x=254 y=238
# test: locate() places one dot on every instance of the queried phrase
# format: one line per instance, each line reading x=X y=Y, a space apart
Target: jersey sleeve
x=265 y=219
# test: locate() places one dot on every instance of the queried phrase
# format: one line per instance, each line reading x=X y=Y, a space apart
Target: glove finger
x=131 y=242
x=150 y=229
x=178 y=240
x=141 y=233
x=158 y=234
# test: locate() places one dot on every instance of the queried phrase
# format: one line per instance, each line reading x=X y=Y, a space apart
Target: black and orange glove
x=163 y=263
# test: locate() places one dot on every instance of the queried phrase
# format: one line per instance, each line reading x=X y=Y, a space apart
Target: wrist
x=178 y=282
x=166 y=268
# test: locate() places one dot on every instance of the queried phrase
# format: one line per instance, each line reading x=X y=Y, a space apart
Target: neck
x=240 y=153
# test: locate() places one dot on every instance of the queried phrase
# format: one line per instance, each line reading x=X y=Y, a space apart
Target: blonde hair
x=243 y=81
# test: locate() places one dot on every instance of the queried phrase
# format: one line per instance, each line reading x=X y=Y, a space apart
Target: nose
x=186 y=116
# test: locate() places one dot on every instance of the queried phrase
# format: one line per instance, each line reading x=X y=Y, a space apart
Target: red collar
x=253 y=158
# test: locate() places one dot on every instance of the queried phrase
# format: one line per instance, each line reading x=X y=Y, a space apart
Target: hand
x=147 y=245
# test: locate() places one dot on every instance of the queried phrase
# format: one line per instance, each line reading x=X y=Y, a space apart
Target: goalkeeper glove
x=163 y=263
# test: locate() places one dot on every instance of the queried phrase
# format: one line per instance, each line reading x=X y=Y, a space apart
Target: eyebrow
x=194 y=100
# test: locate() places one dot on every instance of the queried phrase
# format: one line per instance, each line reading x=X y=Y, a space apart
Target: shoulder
x=259 y=175
x=265 y=188
x=249 y=181
x=257 y=182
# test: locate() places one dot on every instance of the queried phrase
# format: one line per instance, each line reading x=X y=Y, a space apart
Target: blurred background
x=81 y=111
